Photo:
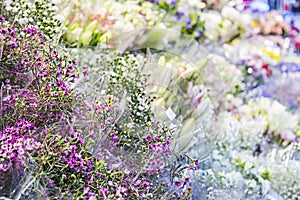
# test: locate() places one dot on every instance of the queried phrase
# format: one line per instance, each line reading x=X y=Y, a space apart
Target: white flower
x=15 y=9
x=60 y=17
x=234 y=178
x=23 y=21
x=196 y=4
x=280 y=119
x=7 y=2
x=230 y=13
x=244 y=112
x=211 y=28
x=8 y=8
x=252 y=183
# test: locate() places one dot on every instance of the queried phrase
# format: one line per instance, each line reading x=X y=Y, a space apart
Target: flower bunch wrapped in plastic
x=142 y=143
x=86 y=25
x=42 y=15
x=226 y=25
x=34 y=95
x=30 y=69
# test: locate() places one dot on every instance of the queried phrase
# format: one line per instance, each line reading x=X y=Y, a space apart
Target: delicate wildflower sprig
x=34 y=77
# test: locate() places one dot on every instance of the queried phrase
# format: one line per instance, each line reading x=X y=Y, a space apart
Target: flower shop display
x=165 y=99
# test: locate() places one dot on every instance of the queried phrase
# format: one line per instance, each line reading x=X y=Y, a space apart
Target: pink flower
x=288 y=136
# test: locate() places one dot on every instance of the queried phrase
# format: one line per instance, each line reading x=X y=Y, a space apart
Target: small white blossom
x=23 y=21
x=15 y=9
x=8 y=8
x=7 y=2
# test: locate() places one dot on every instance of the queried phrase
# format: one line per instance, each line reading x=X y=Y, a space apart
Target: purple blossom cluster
x=69 y=162
x=18 y=47
x=34 y=76
x=101 y=176
x=15 y=142
x=159 y=149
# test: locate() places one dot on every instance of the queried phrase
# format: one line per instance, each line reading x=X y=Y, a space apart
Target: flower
x=15 y=142
x=148 y=138
x=145 y=185
x=288 y=136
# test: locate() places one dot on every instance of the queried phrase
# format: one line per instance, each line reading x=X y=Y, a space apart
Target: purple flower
x=197 y=34
x=12 y=31
x=157 y=137
x=103 y=192
x=176 y=17
x=148 y=137
x=50 y=182
x=110 y=183
x=15 y=144
x=70 y=164
x=146 y=185
x=3 y=31
x=186 y=180
x=33 y=105
x=2 y=19
x=188 y=21
x=137 y=182
x=126 y=171
x=173 y=2
x=86 y=189
x=178 y=183
x=153 y=146
x=180 y=12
